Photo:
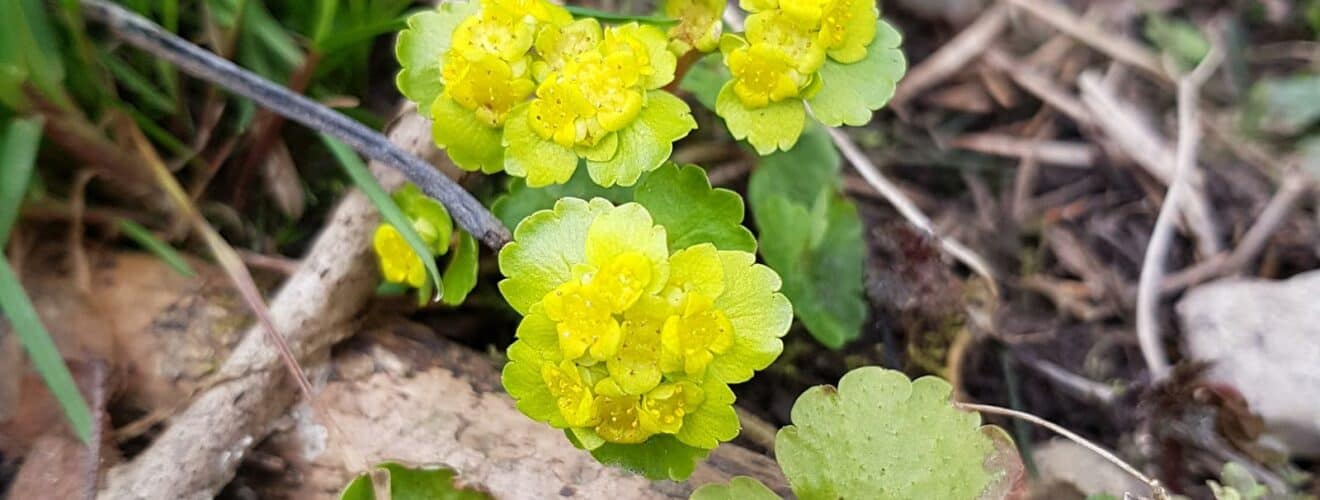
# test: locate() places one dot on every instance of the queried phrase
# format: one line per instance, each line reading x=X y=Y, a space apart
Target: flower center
x=692 y=340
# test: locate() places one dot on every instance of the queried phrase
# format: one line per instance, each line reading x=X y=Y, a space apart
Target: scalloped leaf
x=798 y=174
x=407 y=483
x=470 y=143
x=819 y=252
x=421 y=47
x=521 y=201
x=646 y=143
x=682 y=199
x=659 y=458
x=880 y=435
x=812 y=236
x=849 y=93
x=768 y=129
x=738 y=488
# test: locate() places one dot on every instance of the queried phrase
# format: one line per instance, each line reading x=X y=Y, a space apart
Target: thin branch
x=1157 y=491
x=1152 y=268
x=145 y=35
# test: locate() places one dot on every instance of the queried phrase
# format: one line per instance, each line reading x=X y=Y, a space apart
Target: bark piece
x=399 y=393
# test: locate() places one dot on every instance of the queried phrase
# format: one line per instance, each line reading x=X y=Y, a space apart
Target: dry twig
x=1152 y=268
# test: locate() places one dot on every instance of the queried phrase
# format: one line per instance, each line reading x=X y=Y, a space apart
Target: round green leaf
x=773 y=127
x=528 y=155
x=659 y=458
x=682 y=199
x=739 y=488
x=848 y=93
x=882 y=436
x=471 y=144
x=646 y=143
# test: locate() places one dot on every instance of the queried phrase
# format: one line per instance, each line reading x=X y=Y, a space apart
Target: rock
x=1061 y=461
x=1263 y=338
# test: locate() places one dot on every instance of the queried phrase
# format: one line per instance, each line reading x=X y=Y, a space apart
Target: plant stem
x=145 y=35
x=1157 y=491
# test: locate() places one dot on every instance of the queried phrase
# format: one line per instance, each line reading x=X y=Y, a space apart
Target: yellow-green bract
x=628 y=344
x=834 y=55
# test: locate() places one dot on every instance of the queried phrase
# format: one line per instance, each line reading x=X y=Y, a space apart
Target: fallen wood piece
x=199 y=452
x=402 y=394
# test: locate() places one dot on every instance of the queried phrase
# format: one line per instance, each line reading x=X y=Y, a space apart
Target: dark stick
x=145 y=35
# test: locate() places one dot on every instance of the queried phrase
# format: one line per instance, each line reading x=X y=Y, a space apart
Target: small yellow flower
x=764 y=74
x=798 y=40
x=398 y=262
x=690 y=341
x=699 y=24
x=557 y=45
x=488 y=85
x=557 y=110
x=573 y=396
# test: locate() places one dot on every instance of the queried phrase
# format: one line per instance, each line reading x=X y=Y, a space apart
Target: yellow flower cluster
x=628 y=341
x=488 y=67
x=787 y=42
x=593 y=83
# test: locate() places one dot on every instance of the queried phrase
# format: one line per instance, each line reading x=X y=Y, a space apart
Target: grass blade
x=164 y=251
x=363 y=179
x=41 y=349
x=18 y=153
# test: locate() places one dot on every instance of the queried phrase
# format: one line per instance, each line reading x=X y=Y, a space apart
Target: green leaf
x=819 y=253
x=461 y=272
x=530 y=156
x=159 y=248
x=1284 y=106
x=811 y=235
x=1238 y=484
x=420 y=50
x=411 y=484
x=43 y=353
x=705 y=79
x=849 y=93
x=1177 y=38
x=798 y=174
x=38 y=53
x=773 y=127
x=882 y=436
x=646 y=143
x=659 y=458
x=521 y=201
x=470 y=143
x=384 y=203
x=681 y=199
x=739 y=488
x=19 y=141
